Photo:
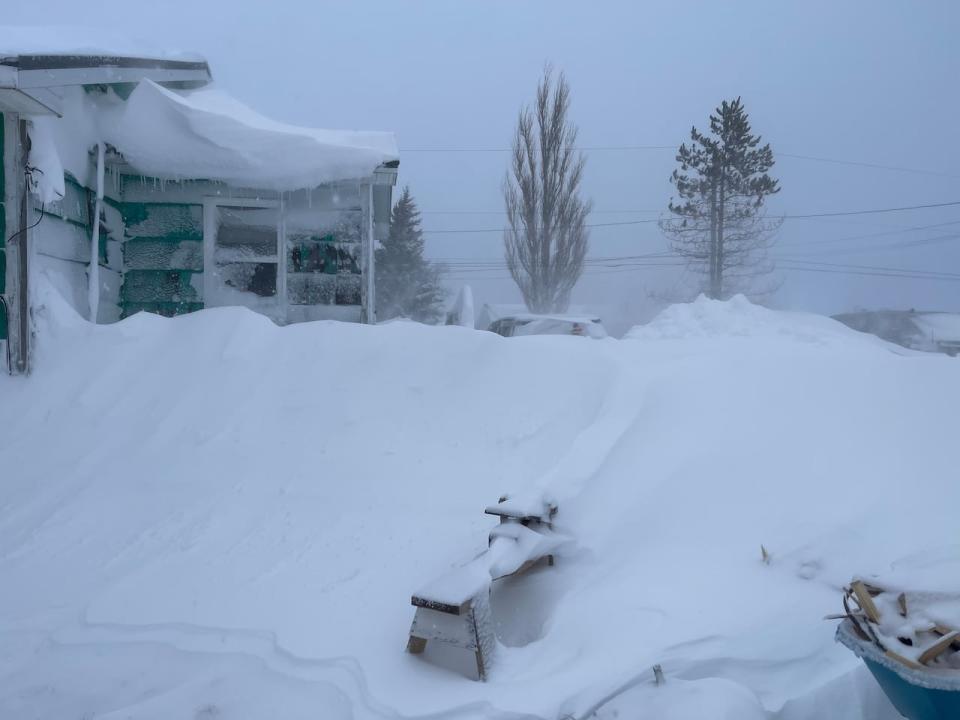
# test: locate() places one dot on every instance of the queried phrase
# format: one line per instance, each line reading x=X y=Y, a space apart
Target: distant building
x=131 y=185
x=929 y=331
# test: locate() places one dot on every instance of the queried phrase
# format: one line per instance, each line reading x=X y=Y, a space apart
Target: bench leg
x=416 y=645
x=481 y=668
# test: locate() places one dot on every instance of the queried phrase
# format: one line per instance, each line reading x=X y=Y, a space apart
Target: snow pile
x=738 y=317
x=206 y=134
x=213 y=516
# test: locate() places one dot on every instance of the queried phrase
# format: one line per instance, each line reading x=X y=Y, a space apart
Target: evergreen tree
x=718 y=220
x=407 y=284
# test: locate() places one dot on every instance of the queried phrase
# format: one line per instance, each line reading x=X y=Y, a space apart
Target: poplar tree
x=546 y=241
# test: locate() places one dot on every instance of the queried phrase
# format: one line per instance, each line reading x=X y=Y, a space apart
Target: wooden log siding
x=162 y=258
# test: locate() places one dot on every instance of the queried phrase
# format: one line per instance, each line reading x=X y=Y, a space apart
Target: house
x=131 y=184
x=929 y=331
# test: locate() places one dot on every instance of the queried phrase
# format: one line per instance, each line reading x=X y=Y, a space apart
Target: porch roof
x=35 y=61
x=207 y=134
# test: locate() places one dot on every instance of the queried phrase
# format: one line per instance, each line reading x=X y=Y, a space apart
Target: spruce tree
x=718 y=221
x=407 y=285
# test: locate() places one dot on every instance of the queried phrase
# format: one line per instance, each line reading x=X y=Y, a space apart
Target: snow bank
x=213 y=514
x=738 y=317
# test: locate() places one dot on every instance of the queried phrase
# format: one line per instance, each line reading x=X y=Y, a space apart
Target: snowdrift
x=214 y=517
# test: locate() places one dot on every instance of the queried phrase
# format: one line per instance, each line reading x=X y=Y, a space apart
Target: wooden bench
x=455 y=608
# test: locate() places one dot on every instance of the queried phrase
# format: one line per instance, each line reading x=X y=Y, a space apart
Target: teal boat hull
x=916 y=694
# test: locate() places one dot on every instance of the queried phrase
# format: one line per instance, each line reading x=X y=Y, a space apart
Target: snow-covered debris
x=212 y=507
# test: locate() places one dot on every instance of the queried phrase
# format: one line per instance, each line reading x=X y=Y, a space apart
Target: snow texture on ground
x=214 y=517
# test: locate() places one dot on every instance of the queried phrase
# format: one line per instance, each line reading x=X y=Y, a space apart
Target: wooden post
x=416 y=645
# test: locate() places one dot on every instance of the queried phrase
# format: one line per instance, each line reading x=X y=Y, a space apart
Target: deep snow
x=214 y=517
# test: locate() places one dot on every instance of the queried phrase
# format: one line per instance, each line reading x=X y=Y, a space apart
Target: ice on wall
x=163 y=221
x=148 y=254
x=257 y=278
x=46 y=173
x=311 y=289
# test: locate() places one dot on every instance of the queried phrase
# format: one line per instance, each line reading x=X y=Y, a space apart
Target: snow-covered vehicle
x=531 y=324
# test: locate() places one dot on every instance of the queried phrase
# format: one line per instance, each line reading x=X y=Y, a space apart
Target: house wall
x=61 y=249
x=4 y=320
x=152 y=247
x=162 y=251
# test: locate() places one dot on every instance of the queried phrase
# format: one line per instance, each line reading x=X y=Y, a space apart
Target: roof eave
x=47 y=71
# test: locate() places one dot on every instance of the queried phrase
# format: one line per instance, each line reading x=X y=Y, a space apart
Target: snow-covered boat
x=917 y=694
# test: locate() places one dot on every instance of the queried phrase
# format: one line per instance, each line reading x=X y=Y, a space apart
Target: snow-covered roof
x=207 y=134
x=36 y=63
x=67 y=40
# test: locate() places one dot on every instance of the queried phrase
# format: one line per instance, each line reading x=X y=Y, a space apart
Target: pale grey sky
x=866 y=81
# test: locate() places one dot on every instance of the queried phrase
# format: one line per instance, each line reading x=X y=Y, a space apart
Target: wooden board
x=443 y=607
x=866 y=602
x=905 y=661
x=938 y=647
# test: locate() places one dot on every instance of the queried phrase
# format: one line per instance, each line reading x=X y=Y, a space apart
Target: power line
x=669 y=260
x=954 y=276
x=628 y=148
x=871 y=212
x=873 y=166
x=504 y=212
x=908 y=276
x=864 y=236
x=805 y=216
x=584 y=148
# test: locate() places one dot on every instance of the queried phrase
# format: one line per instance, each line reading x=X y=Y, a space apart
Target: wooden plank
x=938 y=647
x=904 y=661
x=443 y=607
x=866 y=602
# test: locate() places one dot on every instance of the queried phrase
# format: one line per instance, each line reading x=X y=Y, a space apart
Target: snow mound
x=738 y=317
x=211 y=515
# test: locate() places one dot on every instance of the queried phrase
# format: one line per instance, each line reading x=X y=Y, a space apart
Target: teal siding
x=162 y=258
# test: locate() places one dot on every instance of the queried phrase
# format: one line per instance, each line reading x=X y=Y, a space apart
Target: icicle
x=93 y=285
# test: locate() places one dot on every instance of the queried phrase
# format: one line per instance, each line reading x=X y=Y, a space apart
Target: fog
x=869 y=88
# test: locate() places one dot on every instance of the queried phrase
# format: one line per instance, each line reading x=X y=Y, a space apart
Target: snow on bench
x=455 y=608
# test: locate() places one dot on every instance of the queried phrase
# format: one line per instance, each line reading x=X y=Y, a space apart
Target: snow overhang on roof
x=208 y=135
x=35 y=61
